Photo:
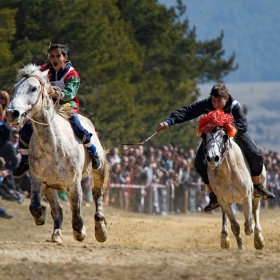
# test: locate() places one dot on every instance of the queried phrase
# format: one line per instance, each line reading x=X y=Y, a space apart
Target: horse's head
x=216 y=128
x=27 y=93
x=216 y=146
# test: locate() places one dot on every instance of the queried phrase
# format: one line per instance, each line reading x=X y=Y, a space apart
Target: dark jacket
x=205 y=106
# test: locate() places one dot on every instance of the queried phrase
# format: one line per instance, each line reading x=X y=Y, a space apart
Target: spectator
x=15 y=140
x=139 y=194
x=116 y=194
x=4 y=103
x=271 y=183
x=161 y=177
x=141 y=160
x=5 y=192
x=4 y=214
x=115 y=157
x=24 y=183
x=182 y=187
x=151 y=175
x=125 y=179
x=8 y=152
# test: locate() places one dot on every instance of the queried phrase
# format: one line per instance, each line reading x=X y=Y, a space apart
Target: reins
x=25 y=115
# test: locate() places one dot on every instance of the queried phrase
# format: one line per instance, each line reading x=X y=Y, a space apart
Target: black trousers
x=249 y=148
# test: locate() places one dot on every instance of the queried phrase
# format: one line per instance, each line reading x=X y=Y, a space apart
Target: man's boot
x=260 y=191
x=22 y=169
x=213 y=203
x=95 y=160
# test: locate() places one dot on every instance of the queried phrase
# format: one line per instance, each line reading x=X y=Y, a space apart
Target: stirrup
x=21 y=170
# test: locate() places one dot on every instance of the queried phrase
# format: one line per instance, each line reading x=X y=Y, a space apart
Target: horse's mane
x=214 y=119
x=65 y=112
x=34 y=70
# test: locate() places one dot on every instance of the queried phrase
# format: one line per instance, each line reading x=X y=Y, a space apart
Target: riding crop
x=140 y=143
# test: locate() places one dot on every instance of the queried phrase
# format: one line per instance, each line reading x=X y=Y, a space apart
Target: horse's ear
x=226 y=136
x=45 y=73
x=203 y=136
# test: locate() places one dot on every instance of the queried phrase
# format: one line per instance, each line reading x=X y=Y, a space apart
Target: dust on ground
x=139 y=246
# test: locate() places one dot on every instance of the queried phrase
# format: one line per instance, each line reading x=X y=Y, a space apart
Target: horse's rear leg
x=37 y=210
x=235 y=227
x=75 y=199
x=247 y=209
x=57 y=214
x=99 y=217
x=225 y=241
x=258 y=238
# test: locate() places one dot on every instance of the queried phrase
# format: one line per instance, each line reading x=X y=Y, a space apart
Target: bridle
x=223 y=149
x=25 y=115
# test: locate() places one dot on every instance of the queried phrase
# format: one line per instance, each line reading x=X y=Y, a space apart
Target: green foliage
x=137 y=61
x=7 y=31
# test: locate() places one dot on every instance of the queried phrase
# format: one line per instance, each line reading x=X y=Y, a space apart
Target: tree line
x=138 y=60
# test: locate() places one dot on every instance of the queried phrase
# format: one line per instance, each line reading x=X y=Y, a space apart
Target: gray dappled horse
x=229 y=176
x=57 y=158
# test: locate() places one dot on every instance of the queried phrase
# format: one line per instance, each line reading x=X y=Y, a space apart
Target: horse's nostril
x=208 y=158
x=15 y=113
x=217 y=158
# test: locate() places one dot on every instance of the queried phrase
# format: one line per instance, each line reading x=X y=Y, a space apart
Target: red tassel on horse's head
x=216 y=118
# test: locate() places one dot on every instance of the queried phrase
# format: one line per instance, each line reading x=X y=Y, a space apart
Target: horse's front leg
x=235 y=227
x=225 y=241
x=75 y=199
x=99 y=217
x=258 y=238
x=37 y=210
x=56 y=212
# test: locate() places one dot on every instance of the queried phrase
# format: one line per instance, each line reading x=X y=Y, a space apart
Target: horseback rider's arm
x=240 y=120
x=71 y=88
x=185 y=113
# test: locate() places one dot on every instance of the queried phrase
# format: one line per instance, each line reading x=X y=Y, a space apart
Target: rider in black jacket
x=220 y=99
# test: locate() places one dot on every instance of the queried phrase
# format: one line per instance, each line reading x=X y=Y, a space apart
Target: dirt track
x=138 y=247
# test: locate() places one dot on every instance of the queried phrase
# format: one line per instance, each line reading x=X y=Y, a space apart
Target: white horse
x=229 y=176
x=57 y=158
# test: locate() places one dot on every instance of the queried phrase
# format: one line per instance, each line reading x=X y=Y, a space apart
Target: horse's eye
x=34 y=89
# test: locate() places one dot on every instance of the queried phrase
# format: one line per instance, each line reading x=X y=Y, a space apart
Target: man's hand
x=4 y=173
x=163 y=126
x=54 y=93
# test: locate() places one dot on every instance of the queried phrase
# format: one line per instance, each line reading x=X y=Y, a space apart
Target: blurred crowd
x=159 y=181
x=172 y=166
x=143 y=179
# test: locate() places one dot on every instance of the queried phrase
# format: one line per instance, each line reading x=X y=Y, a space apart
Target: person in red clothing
x=65 y=82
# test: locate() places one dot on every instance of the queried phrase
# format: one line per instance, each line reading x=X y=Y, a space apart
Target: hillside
x=251 y=31
x=263 y=103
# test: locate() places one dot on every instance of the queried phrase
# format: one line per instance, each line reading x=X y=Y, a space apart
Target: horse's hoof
x=225 y=243
x=100 y=230
x=57 y=236
x=39 y=221
x=80 y=236
x=249 y=231
x=258 y=242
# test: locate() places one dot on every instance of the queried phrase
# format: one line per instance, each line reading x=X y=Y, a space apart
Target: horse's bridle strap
x=40 y=93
